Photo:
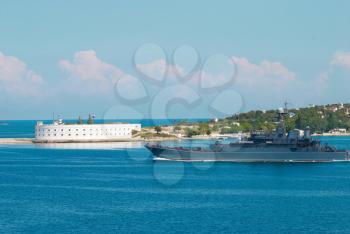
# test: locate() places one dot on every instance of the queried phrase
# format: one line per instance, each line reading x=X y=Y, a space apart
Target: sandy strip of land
x=19 y=141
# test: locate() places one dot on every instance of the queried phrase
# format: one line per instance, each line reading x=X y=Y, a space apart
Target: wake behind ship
x=259 y=147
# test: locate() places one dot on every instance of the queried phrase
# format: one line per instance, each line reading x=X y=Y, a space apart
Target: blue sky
x=284 y=50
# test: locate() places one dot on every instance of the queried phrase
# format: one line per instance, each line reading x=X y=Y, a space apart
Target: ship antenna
x=286 y=104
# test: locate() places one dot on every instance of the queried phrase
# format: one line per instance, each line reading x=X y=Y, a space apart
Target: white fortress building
x=59 y=131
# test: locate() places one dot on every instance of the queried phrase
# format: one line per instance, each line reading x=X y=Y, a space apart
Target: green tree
x=290 y=124
x=203 y=128
x=191 y=132
x=177 y=128
x=246 y=127
x=215 y=127
x=90 y=120
x=80 y=121
x=158 y=129
x=208 y=132
x=332 y=122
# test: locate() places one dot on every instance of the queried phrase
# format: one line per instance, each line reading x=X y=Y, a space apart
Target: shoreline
x=332 y=134
x=16 y=141
x=32 y=141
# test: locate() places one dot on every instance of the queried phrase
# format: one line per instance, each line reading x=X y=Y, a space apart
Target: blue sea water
x=122 y=190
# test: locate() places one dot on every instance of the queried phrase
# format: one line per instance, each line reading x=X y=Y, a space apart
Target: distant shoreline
x=26 y=141
x=331 y=134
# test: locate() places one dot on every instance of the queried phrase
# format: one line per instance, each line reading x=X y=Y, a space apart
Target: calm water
x=111 y=190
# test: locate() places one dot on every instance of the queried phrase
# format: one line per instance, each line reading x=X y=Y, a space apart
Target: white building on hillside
x=62 y=132
x=338 y=130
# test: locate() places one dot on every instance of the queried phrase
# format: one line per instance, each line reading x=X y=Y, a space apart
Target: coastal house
x=337 y=130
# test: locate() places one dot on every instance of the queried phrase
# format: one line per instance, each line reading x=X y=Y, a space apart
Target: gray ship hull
x=247 y=155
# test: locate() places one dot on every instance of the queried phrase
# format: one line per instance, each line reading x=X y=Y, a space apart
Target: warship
x=278 y=146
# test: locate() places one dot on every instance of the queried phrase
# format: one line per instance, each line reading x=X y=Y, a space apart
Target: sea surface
x=120 y=189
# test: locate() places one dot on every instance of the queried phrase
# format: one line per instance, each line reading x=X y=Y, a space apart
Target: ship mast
x=281 y=128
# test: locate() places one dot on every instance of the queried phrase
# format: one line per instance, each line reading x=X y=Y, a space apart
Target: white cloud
x=266 y=75
x=159 y=70
x=90 y=75
x=266 y=72
x=341 y=58
x=259 y=84
x=266 y=83
x=332 y=85
x=155 y=69
x=17 y=79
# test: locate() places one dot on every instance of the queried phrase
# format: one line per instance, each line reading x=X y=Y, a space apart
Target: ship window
x=62 y=130
x=68 y=129
x=77 y=134
x=68 y=134
x=61 y=134
x=54 y=134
